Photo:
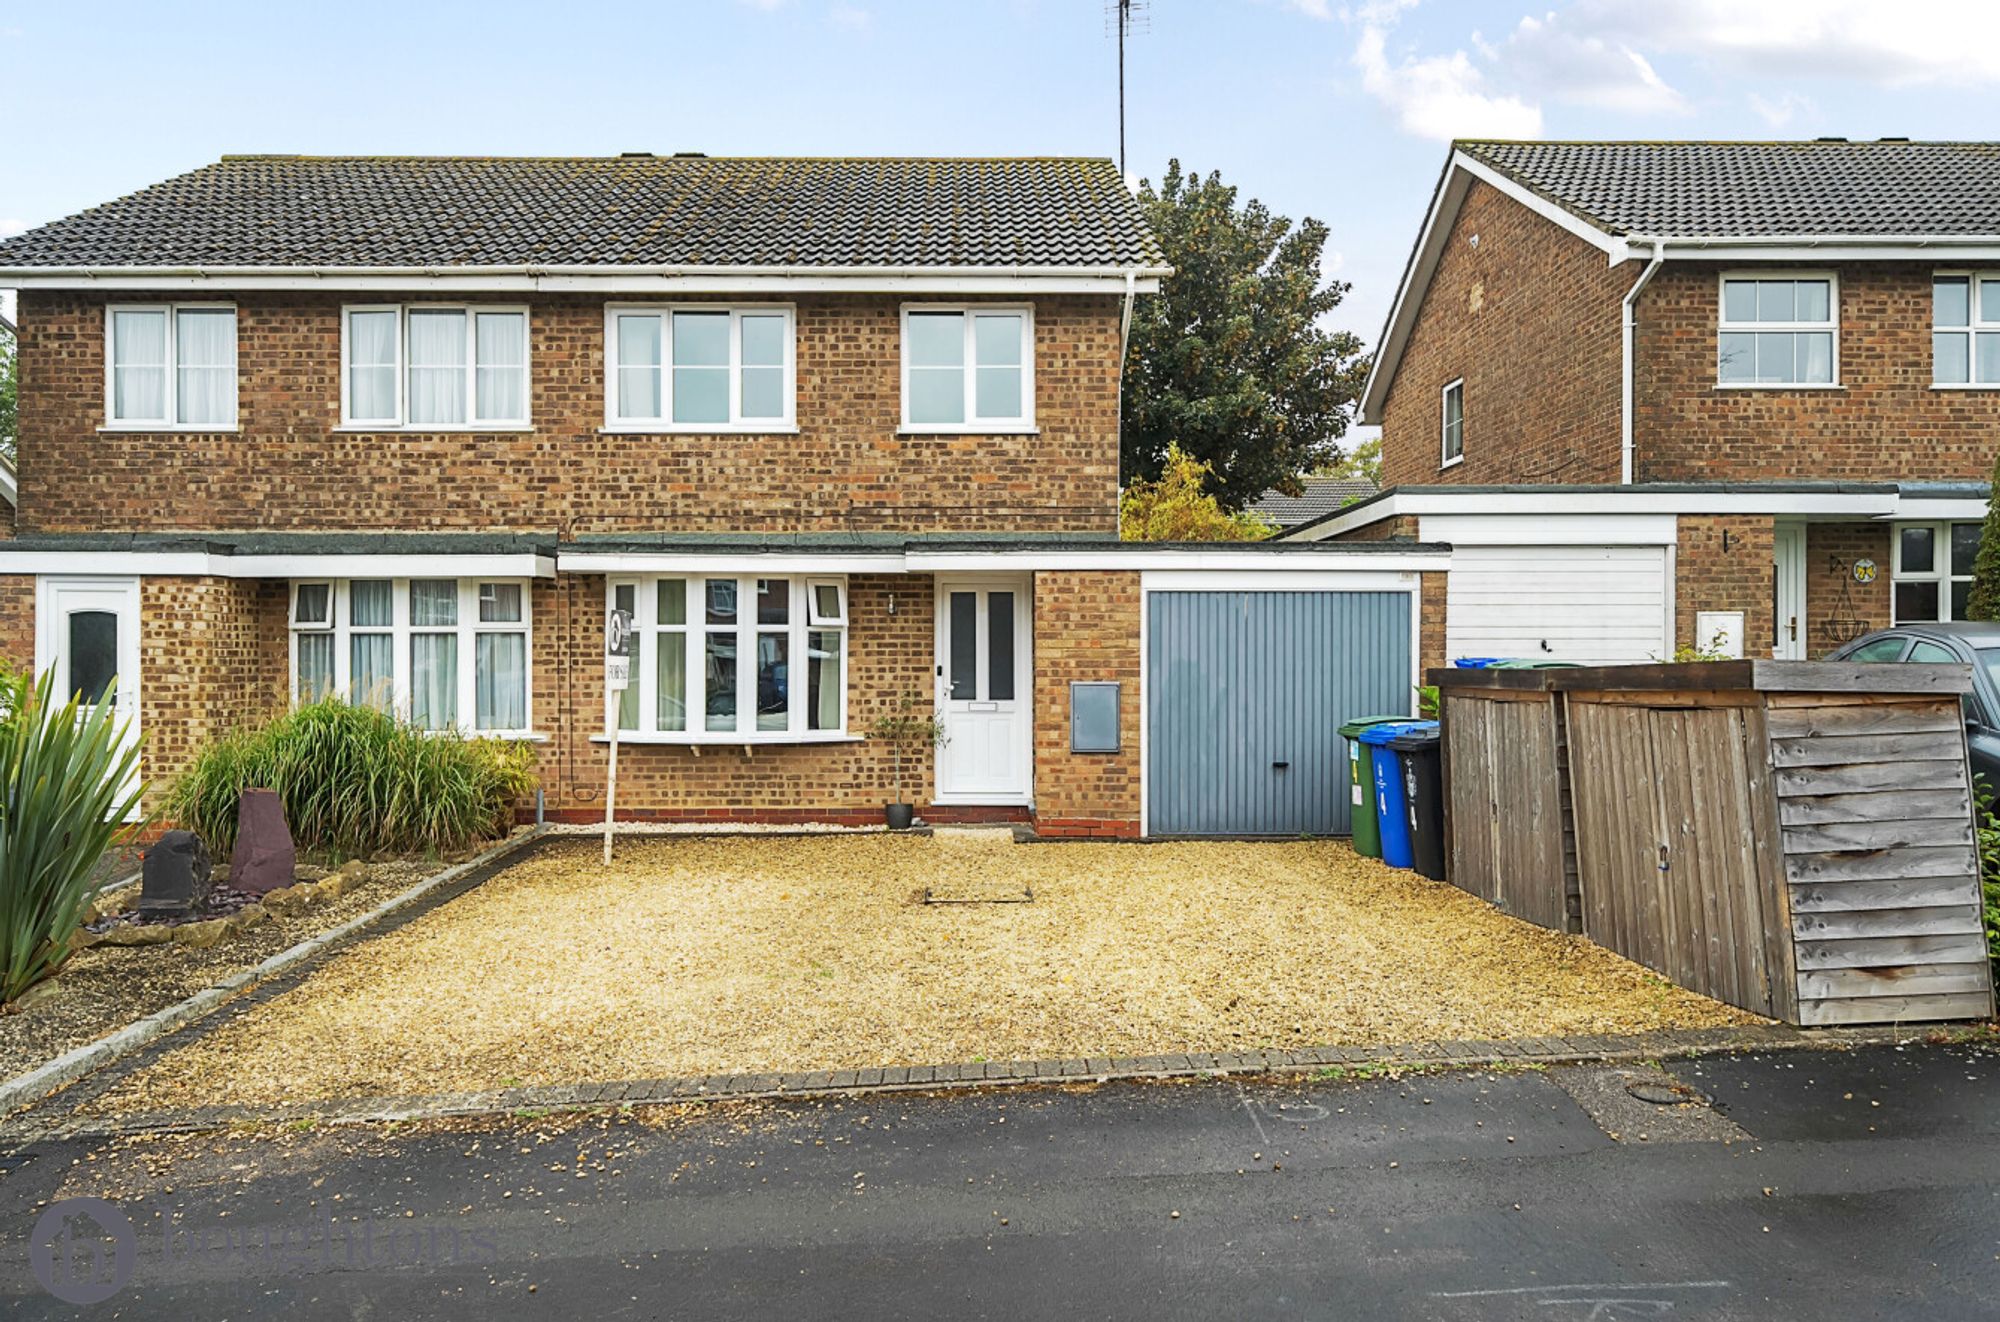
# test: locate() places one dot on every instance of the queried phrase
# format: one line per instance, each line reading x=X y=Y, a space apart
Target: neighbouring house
x=1661 y=394
x=835 y=433
x=1320 y=497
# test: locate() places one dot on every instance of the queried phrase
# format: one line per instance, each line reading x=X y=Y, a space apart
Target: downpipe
x=1630 y=321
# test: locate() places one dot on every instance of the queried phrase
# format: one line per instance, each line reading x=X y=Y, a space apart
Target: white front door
x=983 y=689
x=1788 y=592
x=88 y=633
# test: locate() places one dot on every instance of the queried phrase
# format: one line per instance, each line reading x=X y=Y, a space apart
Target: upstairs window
x=171 y=366
x=968 y=369
x=701 y=369
x=434 y=368
x=1965 y=330
x=1452 y=423
x=1777 y=331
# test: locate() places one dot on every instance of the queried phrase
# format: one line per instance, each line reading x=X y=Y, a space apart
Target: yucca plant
x=356 y=780
x=67 y=784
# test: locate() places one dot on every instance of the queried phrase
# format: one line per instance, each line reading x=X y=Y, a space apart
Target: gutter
x=1629 y=321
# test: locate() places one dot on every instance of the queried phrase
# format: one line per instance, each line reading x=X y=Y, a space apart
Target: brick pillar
x=1086 y=628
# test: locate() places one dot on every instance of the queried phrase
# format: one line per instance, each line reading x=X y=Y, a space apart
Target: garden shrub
x=355 y=780
x=67 y=784
x=1989 y=871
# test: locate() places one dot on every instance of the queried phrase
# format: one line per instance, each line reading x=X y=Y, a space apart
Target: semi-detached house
x=1658 y=394
x=836 y=433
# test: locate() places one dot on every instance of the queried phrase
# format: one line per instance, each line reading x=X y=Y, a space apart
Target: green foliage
x=904 y=726
x=66 y=787
x=1989 y=870
x=1428 y=702
x=1715 y=649
x=9 y=395
x=1230 y=359
x=355 y=780
x=1983 y=599
x=1363 y=460
x=1178 y=508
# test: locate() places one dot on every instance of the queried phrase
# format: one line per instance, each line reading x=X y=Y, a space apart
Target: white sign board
x=618 y=651
x=1719 y=632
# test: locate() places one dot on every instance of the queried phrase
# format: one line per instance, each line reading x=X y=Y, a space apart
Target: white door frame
x=1790 y=641
x=1022 y=586
x=118 y=594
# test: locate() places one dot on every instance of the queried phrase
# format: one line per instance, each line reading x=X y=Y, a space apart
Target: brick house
x=1660 y=394
x=834 y=433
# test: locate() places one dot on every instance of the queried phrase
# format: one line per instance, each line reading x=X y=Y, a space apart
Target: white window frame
x=1971 y=330
x=973 y=424
x=1446 y=459
x=472 y=423
x=1724 y=326
x=1939 y=572
x=664 y=424
x=801 y=620
x=170 y=392
x=468 y=628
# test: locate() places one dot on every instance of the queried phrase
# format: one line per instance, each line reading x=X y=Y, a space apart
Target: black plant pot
x=899 y=815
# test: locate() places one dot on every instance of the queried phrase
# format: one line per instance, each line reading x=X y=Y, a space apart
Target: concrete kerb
x=26 y=1089
x=981 y=1076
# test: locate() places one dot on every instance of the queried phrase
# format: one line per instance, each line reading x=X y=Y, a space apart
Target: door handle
x=1280 y=766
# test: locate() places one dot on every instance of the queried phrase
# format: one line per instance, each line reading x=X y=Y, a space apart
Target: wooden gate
x=1505 y=808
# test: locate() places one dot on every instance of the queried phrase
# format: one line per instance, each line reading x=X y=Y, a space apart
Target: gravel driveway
x=697 y=955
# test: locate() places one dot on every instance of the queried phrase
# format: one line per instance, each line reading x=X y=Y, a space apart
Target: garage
x=1600 y=604
x=1246 y=689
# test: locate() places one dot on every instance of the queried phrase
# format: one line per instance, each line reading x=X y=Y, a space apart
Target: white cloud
x=1583 y=68
x=1777 y=111
x=768 y=6
x=1312 y=8
x=1440 y=96
x=851 y=17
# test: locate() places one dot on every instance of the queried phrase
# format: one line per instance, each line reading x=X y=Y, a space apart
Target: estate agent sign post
x=617 y=675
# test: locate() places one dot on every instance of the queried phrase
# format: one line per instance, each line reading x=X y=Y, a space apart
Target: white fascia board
x=1545 y=504
x=1240 y=562
x=1939 y=511
x=1970 y=248
x=1593 y=235
x=627 y=279
x=123 y=563
x=1550 y=530
x=201 y=564
x=682 y=562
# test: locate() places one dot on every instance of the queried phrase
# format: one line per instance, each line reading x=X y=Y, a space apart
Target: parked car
x=1975 y=644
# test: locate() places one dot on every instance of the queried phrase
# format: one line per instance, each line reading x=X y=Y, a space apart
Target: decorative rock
x=36 y=994
x=201 y=935
x=265 y=857
x=249 y=916
x=333 y=886
x=177 y=876
x=288 y=899
x=138 y=934
x=354 y=870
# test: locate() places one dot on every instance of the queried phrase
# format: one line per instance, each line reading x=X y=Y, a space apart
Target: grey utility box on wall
x=1093 y=716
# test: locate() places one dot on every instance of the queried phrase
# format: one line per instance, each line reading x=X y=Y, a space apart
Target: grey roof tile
x=360 y=211
x=1322 y=496
x=1763 y=189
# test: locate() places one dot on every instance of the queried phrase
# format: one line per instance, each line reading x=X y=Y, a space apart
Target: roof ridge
x=1726 y=142
x=646 y=156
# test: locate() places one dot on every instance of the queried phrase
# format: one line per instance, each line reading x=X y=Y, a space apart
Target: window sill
x=684 y=429
x=998 y=429
x=1965 y=385
x=501 y=736
x=1779 y=385
x=1451 y=463
x=386 y=429
x=728 y=740
x=168 y=429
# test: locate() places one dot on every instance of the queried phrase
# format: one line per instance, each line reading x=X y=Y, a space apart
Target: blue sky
x=1318 y=107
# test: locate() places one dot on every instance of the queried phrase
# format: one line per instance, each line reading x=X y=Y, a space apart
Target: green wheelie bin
x=1362 y=822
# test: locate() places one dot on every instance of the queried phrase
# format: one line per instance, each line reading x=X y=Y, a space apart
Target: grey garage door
x=1248 y=690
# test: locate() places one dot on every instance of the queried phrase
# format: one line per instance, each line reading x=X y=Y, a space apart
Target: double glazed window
x=1777 y=331
x=968 y=369
x=1932 y=573
x=434 y=367
x=1965 y=330
x=735 y=660
x=445 y=653
x=700 y=368
x=1452 y=424
x=171 y=365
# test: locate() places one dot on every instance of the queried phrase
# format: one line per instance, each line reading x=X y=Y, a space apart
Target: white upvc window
x=170 y=366
x=433 y=367
x=1778 y=329
x=699 y=368
x=1965 y=329
x=1931 y=571
x=1451 y=423
x=443 y=653
x=969 y=368
x=722 y=658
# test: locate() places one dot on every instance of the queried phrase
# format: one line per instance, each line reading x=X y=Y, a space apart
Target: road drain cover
x=1662 y=1094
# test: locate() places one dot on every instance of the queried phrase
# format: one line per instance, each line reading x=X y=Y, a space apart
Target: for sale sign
x=618 y=650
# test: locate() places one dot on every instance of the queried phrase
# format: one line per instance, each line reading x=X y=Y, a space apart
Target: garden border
x=25 y=1090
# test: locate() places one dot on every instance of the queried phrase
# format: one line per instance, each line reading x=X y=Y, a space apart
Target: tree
x=1175 y=508
x=1230 y=360
x=1363 y=460
x=1983 y=600
x=9 y=422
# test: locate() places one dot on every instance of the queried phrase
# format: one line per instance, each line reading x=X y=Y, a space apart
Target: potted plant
x=906 y=727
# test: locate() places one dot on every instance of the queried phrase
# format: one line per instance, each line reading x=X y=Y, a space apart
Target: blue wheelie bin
x=1391 y=816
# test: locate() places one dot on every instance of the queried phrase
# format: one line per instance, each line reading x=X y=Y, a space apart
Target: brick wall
x=1430 y=621
x=1838 y=609
x=1709 y=576
x=847 y=468
x=1086 y=628
x=212 y=658
x=17 y=620
x=1402 y=527
x=1530 y=319
x=1884 y=423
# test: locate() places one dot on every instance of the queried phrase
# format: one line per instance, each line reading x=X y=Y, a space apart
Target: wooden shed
x=1795 y=838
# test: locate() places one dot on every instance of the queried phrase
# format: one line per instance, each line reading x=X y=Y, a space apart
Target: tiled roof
x=1322 y=496
x=360 y=211
x=1762 y=189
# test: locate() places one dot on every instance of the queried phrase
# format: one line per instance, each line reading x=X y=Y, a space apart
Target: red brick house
x=1659 y=393
x=835 y=433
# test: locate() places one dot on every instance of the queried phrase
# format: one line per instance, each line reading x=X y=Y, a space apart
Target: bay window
x=434 y=367
x=443 y=653
x=968 y=369
x=729 y=659
x=699 y=368
x=170 y=366
x=1931 y=571
x=1777 y=331
x=1965 y=330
